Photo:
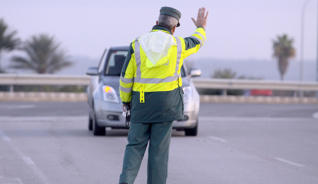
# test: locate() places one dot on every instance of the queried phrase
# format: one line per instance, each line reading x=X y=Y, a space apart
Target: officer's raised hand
x=201 y=18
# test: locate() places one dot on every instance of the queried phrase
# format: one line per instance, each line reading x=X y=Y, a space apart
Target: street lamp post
x=302 y=37
x=317 y=49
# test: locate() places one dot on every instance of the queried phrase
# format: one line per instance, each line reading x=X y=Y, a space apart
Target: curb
x=42 y=97
x=258 y=99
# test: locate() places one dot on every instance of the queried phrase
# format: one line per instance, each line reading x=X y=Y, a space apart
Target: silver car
x=105 y=107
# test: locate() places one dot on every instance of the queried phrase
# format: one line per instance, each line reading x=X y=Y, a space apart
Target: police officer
x=150 y=85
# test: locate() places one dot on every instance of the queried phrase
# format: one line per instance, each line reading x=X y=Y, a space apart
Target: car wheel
x=192 y=131
x=90 y=123
x=98 y=130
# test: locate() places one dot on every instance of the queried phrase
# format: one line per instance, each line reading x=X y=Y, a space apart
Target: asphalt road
x=48 y=143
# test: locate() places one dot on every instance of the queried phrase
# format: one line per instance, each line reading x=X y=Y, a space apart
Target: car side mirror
x=195 y=73
x=92 y=71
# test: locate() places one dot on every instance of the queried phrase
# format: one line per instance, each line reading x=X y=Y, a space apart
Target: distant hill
x=80 y=65
x=265 y=69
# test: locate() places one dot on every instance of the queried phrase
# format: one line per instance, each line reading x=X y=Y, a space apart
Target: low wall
x=81 y=97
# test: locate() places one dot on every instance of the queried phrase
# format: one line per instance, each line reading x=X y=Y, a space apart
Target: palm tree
x=283 y=51
x=42 y=55
x=226 y=73
x=8 y=40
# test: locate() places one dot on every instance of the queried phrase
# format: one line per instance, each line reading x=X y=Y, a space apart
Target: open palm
x=201 y=18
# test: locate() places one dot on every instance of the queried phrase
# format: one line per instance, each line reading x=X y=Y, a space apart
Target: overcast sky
x=237 y=29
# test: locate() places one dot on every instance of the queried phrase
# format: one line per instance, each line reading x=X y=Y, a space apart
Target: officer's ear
x=157 y=22
x=173 y=29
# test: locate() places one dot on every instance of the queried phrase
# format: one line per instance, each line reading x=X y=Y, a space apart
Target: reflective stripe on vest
x=200 y=35
x=156 y=80
x=125 y=80
x=126 y=90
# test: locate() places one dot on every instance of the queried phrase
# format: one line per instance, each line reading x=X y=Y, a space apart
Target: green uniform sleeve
x=193 y=43
x=127 y=76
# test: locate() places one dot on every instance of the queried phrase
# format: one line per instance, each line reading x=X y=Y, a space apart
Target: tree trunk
x=282 y=66
x=1 y=70
x=0 y=63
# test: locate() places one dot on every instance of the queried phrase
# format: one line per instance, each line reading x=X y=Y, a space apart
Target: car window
x=115 y=62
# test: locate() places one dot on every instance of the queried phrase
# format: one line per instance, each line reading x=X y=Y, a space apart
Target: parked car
x=105 y=107
x=261 y=92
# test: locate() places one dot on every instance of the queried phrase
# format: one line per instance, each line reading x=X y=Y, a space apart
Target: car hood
x=113 y=81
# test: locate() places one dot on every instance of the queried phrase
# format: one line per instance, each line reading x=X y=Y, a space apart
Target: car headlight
x=187 y=93
x=109 y=94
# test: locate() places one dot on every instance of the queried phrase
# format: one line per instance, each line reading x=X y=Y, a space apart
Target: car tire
x=192 y=131
x=90 y=123
x=98 y=130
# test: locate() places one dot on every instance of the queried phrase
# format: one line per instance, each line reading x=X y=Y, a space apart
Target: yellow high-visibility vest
x=156 y=63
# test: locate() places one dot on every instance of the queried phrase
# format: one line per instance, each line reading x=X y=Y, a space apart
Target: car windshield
x=116 y=61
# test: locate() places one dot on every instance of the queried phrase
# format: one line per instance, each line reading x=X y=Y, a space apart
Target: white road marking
x=315 y=115
x=289 y=162
x=63 y=119
x=28 y=161
x=242 y=118
x=23 y=106
x=17 y=106
x=219 y=139
x=6 y=180
x=25 y=158
x=5 y=138
x=18 y=180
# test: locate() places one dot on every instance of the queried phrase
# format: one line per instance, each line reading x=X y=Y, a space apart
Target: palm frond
x=21 y=63
x=43 y=55
x=8 y=40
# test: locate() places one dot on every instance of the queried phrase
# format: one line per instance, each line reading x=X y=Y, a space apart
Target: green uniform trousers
x=158 y=135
